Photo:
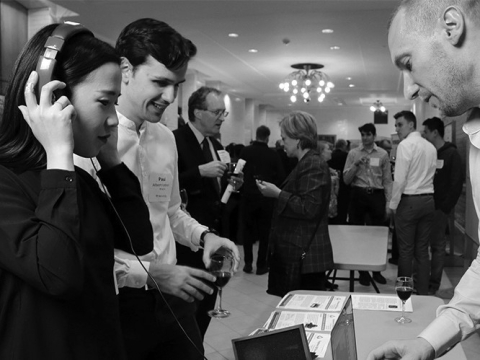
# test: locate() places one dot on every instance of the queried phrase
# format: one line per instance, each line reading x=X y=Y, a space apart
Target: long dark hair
x=82 y=54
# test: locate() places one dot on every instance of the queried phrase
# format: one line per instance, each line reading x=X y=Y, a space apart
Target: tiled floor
x=245 y=297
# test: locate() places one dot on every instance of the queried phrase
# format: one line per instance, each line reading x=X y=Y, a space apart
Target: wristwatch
x=202 y=237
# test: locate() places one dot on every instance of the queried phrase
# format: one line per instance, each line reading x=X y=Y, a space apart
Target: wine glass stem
x=403 y=309
x=219 y=298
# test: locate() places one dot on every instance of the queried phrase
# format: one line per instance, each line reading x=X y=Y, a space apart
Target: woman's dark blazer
x=303 y=200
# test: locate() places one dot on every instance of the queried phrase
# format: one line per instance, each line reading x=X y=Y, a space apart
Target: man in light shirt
x=435 y=45
x=412 y=199
x=154 y=62
x=368 y=171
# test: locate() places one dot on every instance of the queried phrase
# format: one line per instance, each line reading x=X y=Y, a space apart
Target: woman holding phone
x=300 y=218
x=57 y=228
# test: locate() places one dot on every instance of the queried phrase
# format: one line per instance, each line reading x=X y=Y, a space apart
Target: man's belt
x=424 y=194
x=368 y=190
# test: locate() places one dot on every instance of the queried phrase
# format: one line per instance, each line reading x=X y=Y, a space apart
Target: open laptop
x=291 y=342
x=342 y=339
x=287 y=343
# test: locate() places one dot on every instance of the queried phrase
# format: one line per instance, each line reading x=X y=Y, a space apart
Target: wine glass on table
x=221 y=266
x=404 y=289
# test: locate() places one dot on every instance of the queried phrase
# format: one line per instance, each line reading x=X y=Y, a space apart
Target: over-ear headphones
x=46 y=63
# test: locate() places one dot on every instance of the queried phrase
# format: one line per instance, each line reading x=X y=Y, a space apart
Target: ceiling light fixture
x=378 y=106
x=233 y=35
x=334 y=47
x=307 y=82
x=253 y=50
x=327 y=31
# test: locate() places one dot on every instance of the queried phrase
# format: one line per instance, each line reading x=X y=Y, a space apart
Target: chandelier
x=307 y=82
x=377 y=106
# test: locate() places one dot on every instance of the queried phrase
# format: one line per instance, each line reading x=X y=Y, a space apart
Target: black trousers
x=367 y=208
x=257 y=217
x=151 y=332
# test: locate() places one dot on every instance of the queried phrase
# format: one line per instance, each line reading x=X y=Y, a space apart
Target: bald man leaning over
x=435 y=45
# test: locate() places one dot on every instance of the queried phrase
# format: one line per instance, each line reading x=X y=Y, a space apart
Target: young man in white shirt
x=154 y=62
x=412 y=199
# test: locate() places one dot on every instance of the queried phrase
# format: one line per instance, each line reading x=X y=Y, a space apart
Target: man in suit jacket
x=337 y=162
x=201 y=174
x=262 y=163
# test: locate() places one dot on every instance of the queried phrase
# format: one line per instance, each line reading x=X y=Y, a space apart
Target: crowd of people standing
x=77 y=232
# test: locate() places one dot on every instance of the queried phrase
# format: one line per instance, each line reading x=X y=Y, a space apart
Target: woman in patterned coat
x=302 y=204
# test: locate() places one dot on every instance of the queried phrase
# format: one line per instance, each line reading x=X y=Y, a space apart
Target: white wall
x=233 y=128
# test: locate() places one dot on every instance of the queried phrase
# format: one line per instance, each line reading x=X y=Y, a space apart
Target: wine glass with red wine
x=221 y=266
x=404 y=289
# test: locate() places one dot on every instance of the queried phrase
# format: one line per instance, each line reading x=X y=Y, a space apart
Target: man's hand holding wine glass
x=213 y=243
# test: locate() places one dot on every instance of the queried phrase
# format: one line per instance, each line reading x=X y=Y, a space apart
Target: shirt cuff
x=442 y=334
x=135 y=275
x=196 y=235
x=393 y=205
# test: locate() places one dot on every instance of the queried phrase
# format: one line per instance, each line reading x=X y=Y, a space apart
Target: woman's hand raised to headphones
x=51 y=122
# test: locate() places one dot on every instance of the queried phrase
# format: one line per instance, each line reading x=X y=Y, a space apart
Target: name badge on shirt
x=439 y=163
x=224 y=156
x=159 y=187
x=374 y=162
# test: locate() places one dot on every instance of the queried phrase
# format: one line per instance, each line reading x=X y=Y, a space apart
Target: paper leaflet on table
x=312 y=302
x=378 y=302
x=317 y=342
x=313 y=321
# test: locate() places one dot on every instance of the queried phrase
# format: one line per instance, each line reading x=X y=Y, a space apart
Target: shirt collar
x=127 y=123
x=197 y=133
x=472 y=127
x=414 y=134
x=375 y=147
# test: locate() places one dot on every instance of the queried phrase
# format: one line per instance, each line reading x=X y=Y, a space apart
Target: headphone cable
x=143 y=266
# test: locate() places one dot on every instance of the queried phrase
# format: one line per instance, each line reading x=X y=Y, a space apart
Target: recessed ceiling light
x=253 y=50
x=327 y=31
x=234 y=35
x=348 y=78
x=351 y=85
x=334 y=47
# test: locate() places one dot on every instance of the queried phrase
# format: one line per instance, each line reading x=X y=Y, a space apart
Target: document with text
x=380 y=302
x=312 y=302
x=313 y=321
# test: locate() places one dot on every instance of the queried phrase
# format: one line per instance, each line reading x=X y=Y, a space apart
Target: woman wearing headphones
x=57 y=228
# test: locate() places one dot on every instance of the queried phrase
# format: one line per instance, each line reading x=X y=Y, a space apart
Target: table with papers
x=373 y=315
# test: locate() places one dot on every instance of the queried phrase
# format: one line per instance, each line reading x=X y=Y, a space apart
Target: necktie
x=206 y=151
x=207 y=154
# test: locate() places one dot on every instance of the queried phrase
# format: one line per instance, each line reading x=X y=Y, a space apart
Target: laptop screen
x=342 y=340
x=287 y=343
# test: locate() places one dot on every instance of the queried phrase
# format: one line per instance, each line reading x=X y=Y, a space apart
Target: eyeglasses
x=218 y=113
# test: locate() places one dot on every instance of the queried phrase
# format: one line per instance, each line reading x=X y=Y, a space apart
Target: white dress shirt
x=151 y=154
x=415 y=167
x=375 y=174
x=460 y=318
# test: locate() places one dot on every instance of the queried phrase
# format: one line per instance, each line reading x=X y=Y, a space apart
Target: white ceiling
x=360 y=30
